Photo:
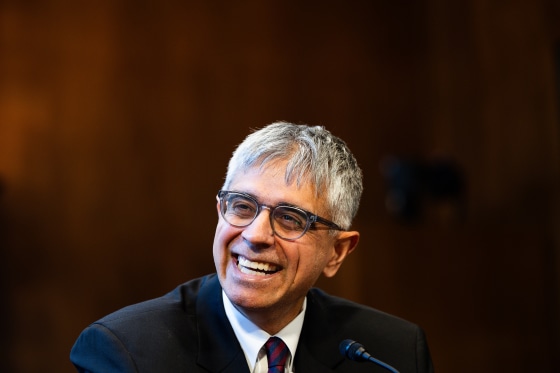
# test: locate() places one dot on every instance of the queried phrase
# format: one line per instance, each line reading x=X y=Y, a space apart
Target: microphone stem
x=380 y=363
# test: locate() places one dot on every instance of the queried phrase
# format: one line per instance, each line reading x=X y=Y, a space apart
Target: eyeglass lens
x=287 y=222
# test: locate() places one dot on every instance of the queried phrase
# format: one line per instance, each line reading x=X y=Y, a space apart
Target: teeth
x=254 y=268
x=251 y=272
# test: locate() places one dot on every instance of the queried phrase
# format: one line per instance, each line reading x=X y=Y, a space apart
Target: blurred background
x=117 y=119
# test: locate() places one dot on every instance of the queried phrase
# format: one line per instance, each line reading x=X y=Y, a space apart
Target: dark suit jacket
x=187 y=331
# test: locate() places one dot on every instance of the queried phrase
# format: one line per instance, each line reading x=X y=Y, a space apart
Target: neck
x=271 y=320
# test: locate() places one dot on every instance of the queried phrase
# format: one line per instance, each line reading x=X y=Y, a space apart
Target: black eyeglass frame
x=311 y=217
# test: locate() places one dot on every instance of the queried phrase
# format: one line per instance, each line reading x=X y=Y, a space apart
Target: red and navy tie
x=277 y=354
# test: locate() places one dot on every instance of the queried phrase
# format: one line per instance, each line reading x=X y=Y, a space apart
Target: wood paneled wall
x=117 y=119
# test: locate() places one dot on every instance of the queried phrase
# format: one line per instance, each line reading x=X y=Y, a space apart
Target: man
x=285 y=209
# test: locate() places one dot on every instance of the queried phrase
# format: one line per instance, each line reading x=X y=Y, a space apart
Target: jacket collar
x=318 y=345
x=219 y=350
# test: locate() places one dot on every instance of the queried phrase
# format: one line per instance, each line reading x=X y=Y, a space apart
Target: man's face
x=293 y=266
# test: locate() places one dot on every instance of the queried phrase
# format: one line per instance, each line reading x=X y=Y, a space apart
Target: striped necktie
x=277 y=354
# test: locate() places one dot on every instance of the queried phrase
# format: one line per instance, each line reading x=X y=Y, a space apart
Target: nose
x=260 y=230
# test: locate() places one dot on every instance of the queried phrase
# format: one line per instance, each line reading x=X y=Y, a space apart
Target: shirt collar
x=252 y=338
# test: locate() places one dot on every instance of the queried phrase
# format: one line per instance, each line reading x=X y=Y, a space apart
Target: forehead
x=270 y=186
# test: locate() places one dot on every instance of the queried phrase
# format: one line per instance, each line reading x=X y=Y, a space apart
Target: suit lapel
x=318 y=346
x=219 y=350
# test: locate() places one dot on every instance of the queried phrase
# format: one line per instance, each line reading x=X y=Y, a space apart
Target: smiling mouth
x=255 y=268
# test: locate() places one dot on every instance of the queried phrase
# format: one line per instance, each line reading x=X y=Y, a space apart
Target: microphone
x=356 y=351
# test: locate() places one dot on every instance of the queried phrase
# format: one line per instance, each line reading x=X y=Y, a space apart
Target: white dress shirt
x=252 y=338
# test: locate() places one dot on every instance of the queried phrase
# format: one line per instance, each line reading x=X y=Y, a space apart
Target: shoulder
x=158 y=333
x=179 y=301
x=359 y=321
x=341 y=306
x=329 y=320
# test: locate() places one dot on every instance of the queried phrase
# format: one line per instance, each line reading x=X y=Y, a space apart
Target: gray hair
x=314 y=155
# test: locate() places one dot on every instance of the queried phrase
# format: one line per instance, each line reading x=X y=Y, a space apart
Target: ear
x=218 y=208
x=344 y=244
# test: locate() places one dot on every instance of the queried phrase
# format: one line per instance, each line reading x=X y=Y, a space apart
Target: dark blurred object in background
x=415 y=186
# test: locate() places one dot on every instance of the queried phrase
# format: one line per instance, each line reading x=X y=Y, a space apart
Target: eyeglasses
x=287 y=222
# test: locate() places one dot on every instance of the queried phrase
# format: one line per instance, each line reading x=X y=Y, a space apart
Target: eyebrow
x=281 y=203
